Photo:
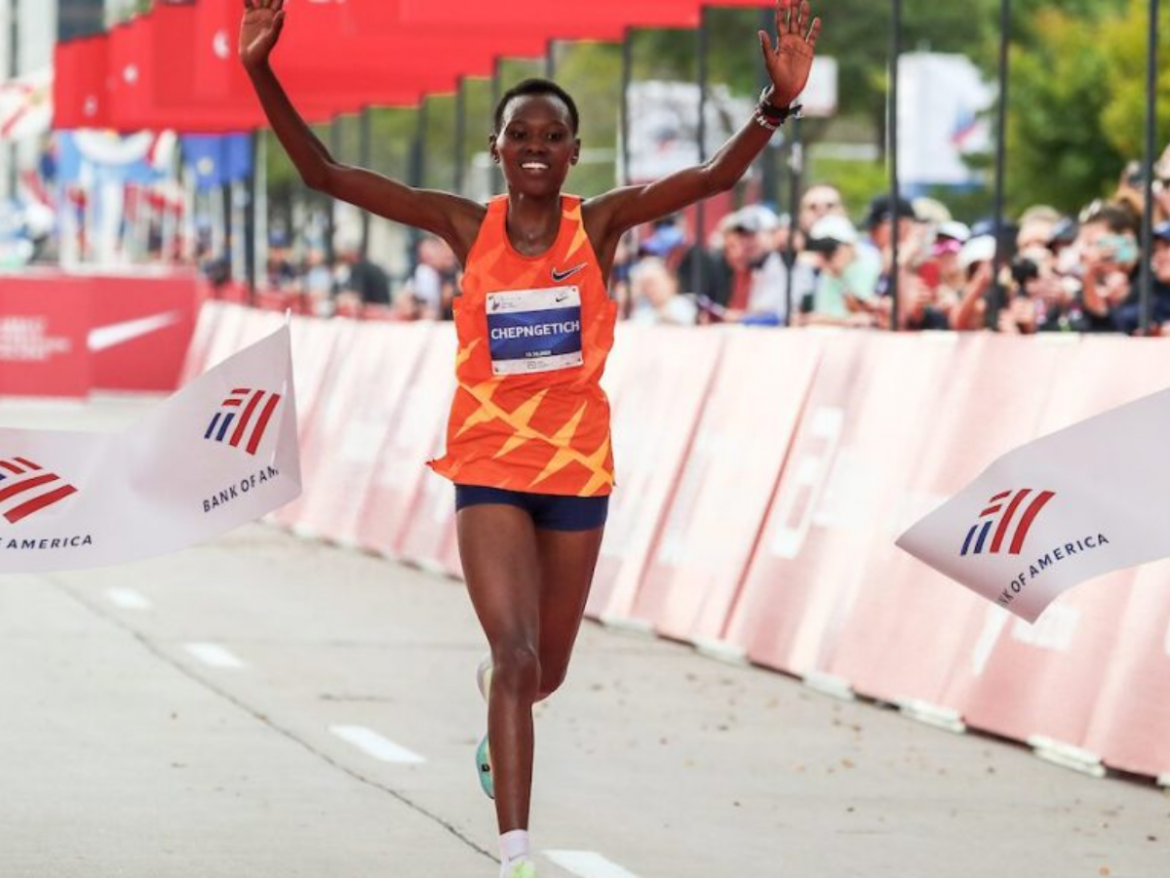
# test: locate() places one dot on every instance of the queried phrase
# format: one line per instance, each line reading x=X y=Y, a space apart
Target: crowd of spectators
x=1057 y=273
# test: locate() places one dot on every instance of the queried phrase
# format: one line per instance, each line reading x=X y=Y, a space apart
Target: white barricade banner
x=1084 y=501
x=218 y=454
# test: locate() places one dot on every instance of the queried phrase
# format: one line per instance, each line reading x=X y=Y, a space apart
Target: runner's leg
x=567 y=562
x=498 y=549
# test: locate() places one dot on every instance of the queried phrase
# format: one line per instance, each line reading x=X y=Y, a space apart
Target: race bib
x=533 y=331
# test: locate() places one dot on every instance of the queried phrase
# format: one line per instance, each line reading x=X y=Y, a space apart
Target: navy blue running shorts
x=548 y=511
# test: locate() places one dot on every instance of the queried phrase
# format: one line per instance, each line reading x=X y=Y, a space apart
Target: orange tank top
x=534 y=333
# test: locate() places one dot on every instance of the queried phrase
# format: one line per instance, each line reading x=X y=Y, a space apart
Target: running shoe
x=483 y=753
x=483 y=767
x=523 y=869
x=483 y=677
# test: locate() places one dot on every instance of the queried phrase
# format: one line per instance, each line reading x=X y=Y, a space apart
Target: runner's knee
x=516 y=668
x=552 y=676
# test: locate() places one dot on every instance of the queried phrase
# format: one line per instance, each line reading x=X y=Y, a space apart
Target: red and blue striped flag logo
x=1000 y=514
x=27 y=488
x=242 y=418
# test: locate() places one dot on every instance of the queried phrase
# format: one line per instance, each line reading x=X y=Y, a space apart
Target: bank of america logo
x=1002 y=512
x=242 y=418
x=27 y=488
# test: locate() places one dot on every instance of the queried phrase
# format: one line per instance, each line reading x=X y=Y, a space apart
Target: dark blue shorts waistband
x=548 y=511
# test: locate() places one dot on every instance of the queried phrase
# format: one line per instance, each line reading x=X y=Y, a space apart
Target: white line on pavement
x=127 y=599
x=214 y=655
x=373 y=744
x=587 y=864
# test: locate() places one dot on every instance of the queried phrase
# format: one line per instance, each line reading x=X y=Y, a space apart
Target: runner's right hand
x=260 y=30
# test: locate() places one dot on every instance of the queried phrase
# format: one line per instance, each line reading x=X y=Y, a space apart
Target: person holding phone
x=1109 y=255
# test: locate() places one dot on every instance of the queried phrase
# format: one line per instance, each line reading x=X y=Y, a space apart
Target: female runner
x=528 y=441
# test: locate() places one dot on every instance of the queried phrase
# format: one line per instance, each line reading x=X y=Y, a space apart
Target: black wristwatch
x=774 y=114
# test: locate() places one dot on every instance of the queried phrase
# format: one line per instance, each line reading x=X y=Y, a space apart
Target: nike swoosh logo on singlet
x=561 y=276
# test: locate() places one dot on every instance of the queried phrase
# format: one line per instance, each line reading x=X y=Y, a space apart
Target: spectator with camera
x=1038 y=299
x=1108 y=248
x=844 y=291
x=1129 y=316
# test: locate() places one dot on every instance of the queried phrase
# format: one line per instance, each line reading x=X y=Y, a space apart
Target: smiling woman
x=528 y=442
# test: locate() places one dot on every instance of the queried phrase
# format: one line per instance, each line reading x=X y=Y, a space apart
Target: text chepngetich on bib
x=532 y=331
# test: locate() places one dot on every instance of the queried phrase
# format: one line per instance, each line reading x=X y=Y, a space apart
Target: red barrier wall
x=1131 y=716
x=657 y=395
x=983 y=409
x=43 y=338
x=1045 y=679
x=762 y=479
x=396 y=484
x=835 y=498
x=693 y=577
x=65 y=335
x=140 y=332
x=354 y=418
x=317 y=346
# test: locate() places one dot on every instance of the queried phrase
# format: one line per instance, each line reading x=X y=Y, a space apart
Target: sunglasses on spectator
x=823 y=205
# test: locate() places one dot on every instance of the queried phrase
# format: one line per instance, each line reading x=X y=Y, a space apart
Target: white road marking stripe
x=127 y=599
x=214 y=655
x=373 y=744
x=587 y=864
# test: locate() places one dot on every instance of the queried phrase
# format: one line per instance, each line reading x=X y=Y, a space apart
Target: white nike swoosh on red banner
x=104 y=337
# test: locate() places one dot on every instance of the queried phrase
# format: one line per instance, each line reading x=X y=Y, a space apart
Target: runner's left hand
x=790 y=60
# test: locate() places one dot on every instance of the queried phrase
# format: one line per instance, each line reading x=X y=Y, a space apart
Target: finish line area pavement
x=267 y=707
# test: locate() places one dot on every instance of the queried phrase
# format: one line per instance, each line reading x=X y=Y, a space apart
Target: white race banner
x=1088 y=500
x=218 y=454
x=942 y=118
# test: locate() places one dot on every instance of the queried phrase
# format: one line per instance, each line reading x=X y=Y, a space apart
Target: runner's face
x=536 y=146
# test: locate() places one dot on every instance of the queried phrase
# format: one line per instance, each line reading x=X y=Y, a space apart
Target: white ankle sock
x=513 y=849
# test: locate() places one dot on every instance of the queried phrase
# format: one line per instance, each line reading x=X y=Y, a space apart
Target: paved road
x=252 y=708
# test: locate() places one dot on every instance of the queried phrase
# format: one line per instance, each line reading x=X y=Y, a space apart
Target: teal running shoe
x=483 y=767
x=483 y=753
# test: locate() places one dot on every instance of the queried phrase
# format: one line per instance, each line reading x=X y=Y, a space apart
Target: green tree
x=1077 y=102
x=1059 y=90
x=1126 y=48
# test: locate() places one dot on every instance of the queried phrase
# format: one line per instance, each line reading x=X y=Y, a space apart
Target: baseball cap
x=663 y=241
x=955 y=230
x=979 y=249
x=835 y=229
x=753 y=219
x=1162 y=231
x=882 y=207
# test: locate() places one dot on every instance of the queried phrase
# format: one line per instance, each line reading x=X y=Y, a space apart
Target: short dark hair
x=1118 y=218
x=533 y=87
